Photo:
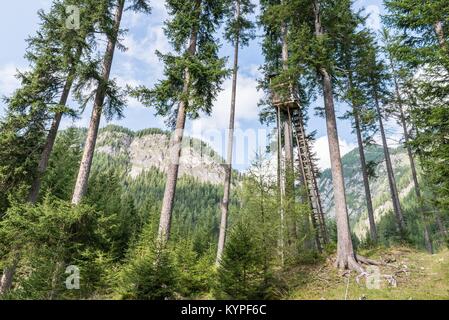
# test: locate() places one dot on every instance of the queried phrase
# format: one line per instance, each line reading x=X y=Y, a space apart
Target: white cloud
x=373 y=20
x=252 y=70
x=321 y=148
x=8 y=81
x=246 y=105
x=213 y=128
x=144 y=49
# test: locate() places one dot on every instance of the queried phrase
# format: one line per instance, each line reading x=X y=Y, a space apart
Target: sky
x=139 y=65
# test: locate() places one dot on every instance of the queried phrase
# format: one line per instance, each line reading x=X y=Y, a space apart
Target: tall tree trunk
x=345 y=250
x=391 y=179
x=280 y=182
x=51 y=137
x=92 y=133
x=427 y=238
x=289 y=177
x=361 y=147
x=288 y=144
x=346 y=258
x=228 y=165
x=441 y=227
x=287 y=119
x=8 y=275
x=369 y=203
x=176 y=144
x=439 y=30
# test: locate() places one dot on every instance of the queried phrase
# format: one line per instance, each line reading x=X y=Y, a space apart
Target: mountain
x=129 y=167
x=149 y=149
x=380 y=191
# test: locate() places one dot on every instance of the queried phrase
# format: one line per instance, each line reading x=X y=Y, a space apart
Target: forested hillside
x=379 y=186
x=109 y=212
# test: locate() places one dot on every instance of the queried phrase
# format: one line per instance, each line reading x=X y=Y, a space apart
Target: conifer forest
x=224 y=150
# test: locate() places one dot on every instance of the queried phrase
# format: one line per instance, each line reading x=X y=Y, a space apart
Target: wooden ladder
x=308 y=173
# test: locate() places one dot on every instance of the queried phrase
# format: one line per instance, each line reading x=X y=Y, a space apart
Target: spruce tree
x=324 y=18
x=51 y=54
x=108 y=97
x=194 y=75
x=239 y=30
x=350 y=58
x=75 y=47
x=398 y=100
x=423 y=49
x=377 y=78
x=250 y=257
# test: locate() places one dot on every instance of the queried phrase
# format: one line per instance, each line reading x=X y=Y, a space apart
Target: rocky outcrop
x=145 y=151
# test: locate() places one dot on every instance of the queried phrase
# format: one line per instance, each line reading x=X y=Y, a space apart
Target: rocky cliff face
x=150 y=149
x=355 y=191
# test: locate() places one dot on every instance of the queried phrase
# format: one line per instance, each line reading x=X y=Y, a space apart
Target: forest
x=105 y=212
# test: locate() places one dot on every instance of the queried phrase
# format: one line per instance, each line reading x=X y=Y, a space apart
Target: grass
x=418 y=276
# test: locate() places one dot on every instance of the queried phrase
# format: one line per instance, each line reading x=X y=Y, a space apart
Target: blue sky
x=139 y=65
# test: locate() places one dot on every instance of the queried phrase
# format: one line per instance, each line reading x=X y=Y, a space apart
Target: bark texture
x=228 y=166
x=280 y=182
x=439 y=30
x=346 y=258
x=92 y=133
x=176 y=144
x=369 y=203
x=7 y=277
x=52 y=133
x=391 y=179
x=345 y=250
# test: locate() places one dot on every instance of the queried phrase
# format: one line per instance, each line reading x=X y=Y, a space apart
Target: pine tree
x=194 y=75
x=377 y=77
x=240 y=272
x=351 y=59
x=30 y=108
x=23 y=127
x=424 y=25
x=74 y=46
x=399 y=102
x=251 y=256
x=239 y=31
x=150 y=275
x=42 y=237
x=105 y=92
x=423 y=49
x=345 y=251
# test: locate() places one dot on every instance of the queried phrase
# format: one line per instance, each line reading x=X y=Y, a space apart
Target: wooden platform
x=284 y=96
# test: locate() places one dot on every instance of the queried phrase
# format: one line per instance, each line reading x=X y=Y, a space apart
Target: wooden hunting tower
x=285 y=98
